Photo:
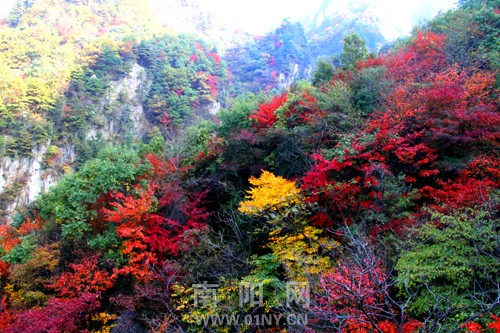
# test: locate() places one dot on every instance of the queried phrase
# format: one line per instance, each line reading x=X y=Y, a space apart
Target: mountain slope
x=365 y=202
x=72 y=84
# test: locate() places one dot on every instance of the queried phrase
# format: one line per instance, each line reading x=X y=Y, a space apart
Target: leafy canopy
x=269 y=192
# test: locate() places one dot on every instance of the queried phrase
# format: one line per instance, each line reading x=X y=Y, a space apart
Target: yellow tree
x=303 y=254
x=269 y=192
x=300 y=248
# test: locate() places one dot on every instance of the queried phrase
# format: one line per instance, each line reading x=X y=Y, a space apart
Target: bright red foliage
x=472 y=327
x=131 y=216
x=29 y=226
x=4 y=269
x=162 y=168
x=355 y=300
x=349 y=288
x=472 y=187
x=412 y=326
x=495 y=324
x=60 y=315
x=215 y=57
x=388 y=327
x=85 y=278
x=266 y=116
x=165 y=119
x=344 y=187
x=434 y=112
x=303 y=110
x=371 y=62
x=213 y=82
x=420 y=60
x=143 y=222
x=6 y=315
x=458 y=193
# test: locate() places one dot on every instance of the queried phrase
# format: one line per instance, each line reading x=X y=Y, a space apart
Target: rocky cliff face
x=296 y=73
x=124 y=98
x=23 y=178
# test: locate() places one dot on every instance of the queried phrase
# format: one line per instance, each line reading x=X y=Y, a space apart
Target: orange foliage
x=147 y=234
x=8 y=237
x=129 y=216
x=29 y=226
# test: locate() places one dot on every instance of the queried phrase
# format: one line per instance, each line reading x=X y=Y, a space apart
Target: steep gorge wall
x=23 y=178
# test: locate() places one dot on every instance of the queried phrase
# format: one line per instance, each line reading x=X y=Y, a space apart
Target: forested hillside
x=77 y=76
x=190 y=198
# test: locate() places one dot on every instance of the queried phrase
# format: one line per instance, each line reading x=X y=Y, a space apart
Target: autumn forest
x=200 y=188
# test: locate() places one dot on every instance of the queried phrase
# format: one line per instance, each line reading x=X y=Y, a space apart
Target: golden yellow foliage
x=269 y=192
x=299 y=247
x=301 y=254
x=105 y=320
x=227 y=303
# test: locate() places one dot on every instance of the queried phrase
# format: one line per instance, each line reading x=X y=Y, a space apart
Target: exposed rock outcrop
x=23 y=178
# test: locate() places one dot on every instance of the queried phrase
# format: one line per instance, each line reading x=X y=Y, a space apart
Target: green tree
x=368 y=86
x=323 y=72
x=450 y=270
x=68 y=202
x=354 y=51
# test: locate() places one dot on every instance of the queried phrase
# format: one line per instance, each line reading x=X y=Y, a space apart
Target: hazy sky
x=396 y=16
x=5 y=6
x=259 y=16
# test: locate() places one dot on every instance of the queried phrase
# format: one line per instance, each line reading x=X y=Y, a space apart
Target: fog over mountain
x=222 y=17
x=394 y=18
